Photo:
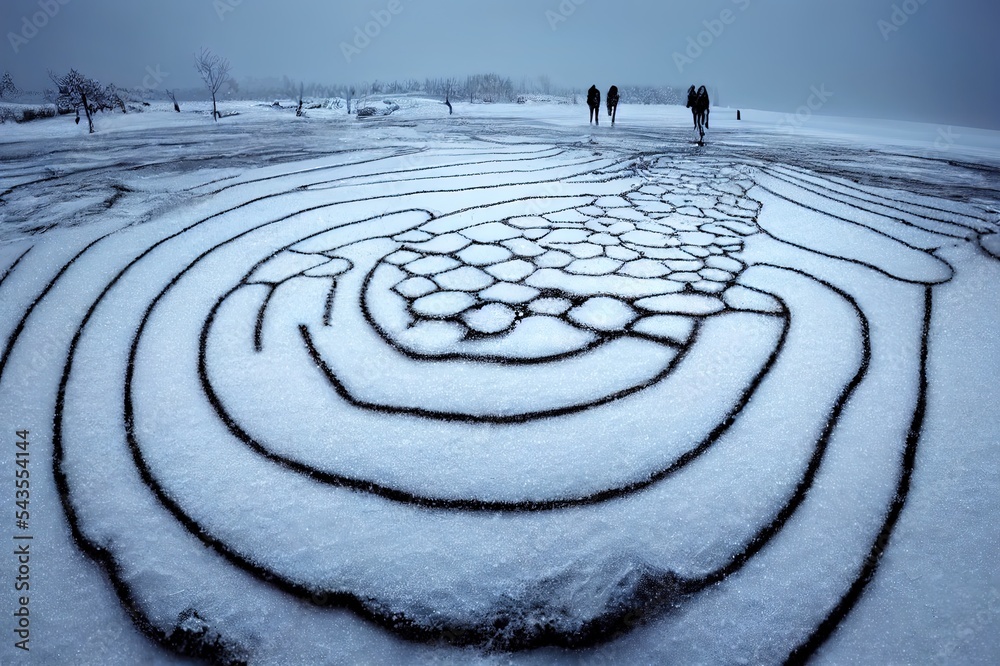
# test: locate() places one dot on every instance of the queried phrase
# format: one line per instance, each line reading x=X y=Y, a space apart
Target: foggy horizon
x=902 y=59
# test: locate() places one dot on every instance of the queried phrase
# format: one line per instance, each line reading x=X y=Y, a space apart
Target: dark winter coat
x=612 y=97
x=594 y=97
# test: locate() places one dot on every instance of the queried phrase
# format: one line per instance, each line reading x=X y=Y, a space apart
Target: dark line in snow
x=808 y=648
x=10 y=269
x=498 y=628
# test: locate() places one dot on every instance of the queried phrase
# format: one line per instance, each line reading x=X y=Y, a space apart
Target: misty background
x=936 y=61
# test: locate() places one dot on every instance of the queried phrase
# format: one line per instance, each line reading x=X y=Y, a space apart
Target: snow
x=621 y=253
x=506 y=292
x=648 y=238
x=671 y=328
x=466 y=278
x=523 y=247
x=686 y=303
x=491 y=232
x=741 y=298
x=431 y=265
x=285 y=266
x=595 y=266
x=476 y=388
x=551 y=306
x=415 y=287
x=583 y=250
x=554 y=259
x=583 y=285
x=646 y=268
x=443 y=304
x=484 y=255
x=512 y=271
x=443 y=244
x=991 y=243
x=492 y=318
x=603 y=314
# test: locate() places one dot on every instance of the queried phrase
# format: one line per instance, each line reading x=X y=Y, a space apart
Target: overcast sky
x=936 y=60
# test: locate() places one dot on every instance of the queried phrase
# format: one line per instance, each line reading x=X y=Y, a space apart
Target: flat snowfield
x=499 y=387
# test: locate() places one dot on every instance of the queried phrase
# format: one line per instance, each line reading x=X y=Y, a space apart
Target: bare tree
x=215 y=72
x=113 y=97
x=173 y=98
x=449 y=86
x=76 y=91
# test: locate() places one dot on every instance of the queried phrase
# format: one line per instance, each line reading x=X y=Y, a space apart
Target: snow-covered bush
x=387 y=110
x=24 y=113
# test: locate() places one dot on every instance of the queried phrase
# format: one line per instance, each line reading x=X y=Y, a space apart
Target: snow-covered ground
x=500 y=387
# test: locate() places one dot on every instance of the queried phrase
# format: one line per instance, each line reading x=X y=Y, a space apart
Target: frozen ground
x=499 y=387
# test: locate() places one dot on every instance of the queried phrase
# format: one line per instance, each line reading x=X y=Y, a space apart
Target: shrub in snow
x=387 y=110
x=29 y=113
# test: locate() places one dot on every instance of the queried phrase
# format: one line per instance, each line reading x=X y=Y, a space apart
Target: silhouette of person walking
x=700 y=106
x=594 y=102
x=613 y=103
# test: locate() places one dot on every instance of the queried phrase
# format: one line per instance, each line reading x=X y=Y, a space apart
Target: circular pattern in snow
x=515 y=425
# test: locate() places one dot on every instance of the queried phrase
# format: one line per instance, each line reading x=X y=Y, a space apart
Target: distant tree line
x=75 y=92
x=493 y=88
x=477 y=89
